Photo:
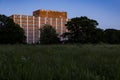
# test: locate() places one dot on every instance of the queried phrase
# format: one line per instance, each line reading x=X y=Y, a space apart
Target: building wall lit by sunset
x=32 y=24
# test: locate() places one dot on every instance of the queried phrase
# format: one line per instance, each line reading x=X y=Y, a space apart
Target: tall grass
x=60 y=62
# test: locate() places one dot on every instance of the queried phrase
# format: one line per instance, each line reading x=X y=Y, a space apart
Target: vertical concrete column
x=61 y=25
x=39 y=26
x=39 y=20
x=20 y=20
x=27 y=31
x=33 y=29
x=45 y=20
x=56 y=24
x=50 y=21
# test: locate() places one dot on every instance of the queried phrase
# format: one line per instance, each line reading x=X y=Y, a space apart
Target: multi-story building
x=32 y=24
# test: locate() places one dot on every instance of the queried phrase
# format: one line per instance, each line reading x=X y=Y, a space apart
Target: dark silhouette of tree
x=48 y=35
x=97 y=35
x=112 y=36
x=81 y=29
x=10 y=33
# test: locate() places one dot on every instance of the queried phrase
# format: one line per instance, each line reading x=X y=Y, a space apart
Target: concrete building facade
x=32 y=24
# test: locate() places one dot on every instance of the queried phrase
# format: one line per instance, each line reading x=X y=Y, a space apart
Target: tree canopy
x=10 y=33
x=48 y=35
x=112 y=36
x=81 y=29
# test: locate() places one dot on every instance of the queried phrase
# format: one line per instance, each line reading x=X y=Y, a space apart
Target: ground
x=60 y=62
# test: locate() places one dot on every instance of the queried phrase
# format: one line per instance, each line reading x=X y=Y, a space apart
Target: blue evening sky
x=106 y=12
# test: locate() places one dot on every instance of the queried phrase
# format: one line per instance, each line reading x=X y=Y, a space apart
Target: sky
x=106 y=12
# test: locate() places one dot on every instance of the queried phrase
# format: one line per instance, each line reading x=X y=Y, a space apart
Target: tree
x=112 y=36
x=48 y=35
x=97 y=35
x=81 y=29
x=10 y=33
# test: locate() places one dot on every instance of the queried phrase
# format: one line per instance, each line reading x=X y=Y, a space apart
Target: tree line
x=80 y=30
x=84 y=30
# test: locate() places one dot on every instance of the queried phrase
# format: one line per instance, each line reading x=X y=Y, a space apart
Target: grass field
x=60 y=62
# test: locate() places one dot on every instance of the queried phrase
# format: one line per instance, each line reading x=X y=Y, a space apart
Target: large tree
x=10 y=33
x=97 y=35
x=81 y=29
x=112 y=36
x=48 y=35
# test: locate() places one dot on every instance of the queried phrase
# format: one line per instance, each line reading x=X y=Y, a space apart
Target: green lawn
x=60 y=62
